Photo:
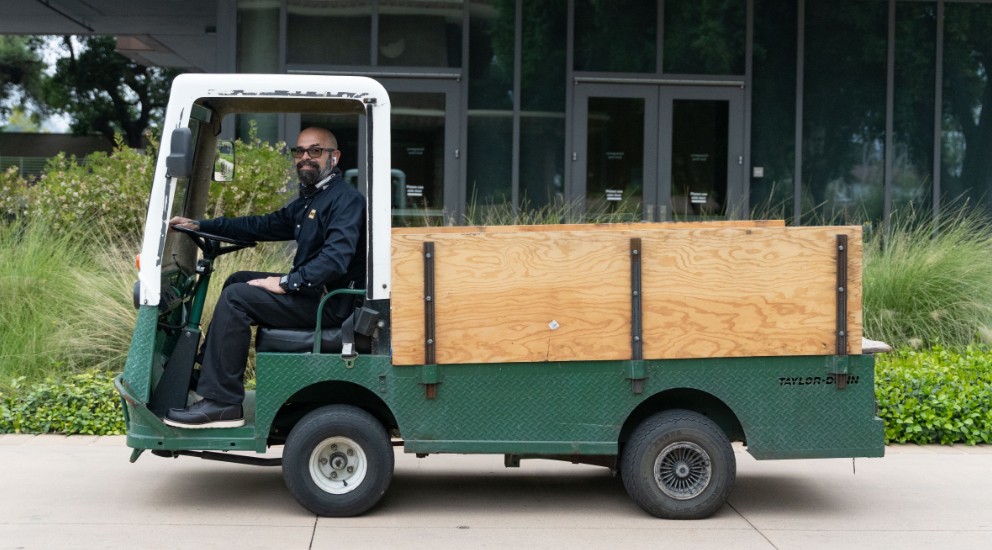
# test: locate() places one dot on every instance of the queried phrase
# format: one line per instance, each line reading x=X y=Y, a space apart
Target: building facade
x=812 y=110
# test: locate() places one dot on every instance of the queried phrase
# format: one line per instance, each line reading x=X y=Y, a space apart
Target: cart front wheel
x=679 y=465
x=338 y=461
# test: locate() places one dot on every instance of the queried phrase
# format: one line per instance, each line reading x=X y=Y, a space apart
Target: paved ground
x=81 y=492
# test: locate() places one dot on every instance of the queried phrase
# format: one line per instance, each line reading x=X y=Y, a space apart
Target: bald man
x=327 y=221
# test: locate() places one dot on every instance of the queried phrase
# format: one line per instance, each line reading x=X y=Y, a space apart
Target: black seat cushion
x=298 y=340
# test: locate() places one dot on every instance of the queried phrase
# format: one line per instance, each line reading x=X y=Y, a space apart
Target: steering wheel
x=213 y=245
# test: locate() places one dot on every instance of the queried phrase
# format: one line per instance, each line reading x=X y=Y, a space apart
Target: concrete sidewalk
x=81 y=492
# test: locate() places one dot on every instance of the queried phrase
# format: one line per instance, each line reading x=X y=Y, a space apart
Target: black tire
x=338 y=461
x=678 y=465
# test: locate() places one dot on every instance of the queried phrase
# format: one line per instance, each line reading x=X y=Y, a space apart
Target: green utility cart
x=645 y=348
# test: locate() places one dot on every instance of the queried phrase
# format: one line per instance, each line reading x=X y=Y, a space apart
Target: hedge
x=936 y=396
x=113 y=188
x=82 y=404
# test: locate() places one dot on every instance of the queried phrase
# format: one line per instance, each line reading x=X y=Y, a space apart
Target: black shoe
x=206 y=413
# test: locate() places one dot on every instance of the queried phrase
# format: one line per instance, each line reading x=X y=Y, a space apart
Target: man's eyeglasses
x=313 y=151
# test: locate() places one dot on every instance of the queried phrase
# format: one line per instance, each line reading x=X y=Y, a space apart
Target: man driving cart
x=327 y=221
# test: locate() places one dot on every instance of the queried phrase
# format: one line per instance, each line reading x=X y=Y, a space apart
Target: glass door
x=615 y=129
x=701 y=153
x=658 y=152
x=425 y=153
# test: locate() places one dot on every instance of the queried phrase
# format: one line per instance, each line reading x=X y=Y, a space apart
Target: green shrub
x=927 y=283
x=936 y=396
x=83 y=404
x=112 y=188
x=260 y=185
x=13 y=194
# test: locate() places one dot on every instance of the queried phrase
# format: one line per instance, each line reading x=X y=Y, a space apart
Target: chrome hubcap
x=683 y=470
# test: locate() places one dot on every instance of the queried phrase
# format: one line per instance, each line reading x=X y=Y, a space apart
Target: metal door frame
x=658 y=138
x=580 y=142
x=451 y=89
x=736 y=191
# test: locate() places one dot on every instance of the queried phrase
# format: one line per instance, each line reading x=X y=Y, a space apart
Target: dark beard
x=310 y=178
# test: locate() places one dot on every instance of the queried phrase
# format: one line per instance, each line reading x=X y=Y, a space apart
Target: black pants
x=225 y=350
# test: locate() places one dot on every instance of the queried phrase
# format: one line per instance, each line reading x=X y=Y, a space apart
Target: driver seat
x=300 y=340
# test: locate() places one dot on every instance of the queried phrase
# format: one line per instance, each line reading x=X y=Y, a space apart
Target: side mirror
x=224 y=161
x=179 y=163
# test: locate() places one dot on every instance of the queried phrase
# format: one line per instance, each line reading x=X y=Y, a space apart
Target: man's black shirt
x=329 y=230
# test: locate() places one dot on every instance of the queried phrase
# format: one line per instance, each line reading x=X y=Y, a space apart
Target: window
x=329 y=32
x=616 y=36
x=705 y=36
x=420 y=33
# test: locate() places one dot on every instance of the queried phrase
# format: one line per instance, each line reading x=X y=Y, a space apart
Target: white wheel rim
x=683 y=470
x=338 y=465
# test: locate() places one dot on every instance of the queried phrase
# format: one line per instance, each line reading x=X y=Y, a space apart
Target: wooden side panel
x=733 y=293
x=562 y=293
x=506 y=297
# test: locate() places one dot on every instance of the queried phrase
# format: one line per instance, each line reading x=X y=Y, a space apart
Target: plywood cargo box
x=564 y=293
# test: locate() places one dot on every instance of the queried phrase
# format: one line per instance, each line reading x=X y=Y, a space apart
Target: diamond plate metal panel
x=791 y=407
x=788 y=406
x=137 y=369
x=280 y=375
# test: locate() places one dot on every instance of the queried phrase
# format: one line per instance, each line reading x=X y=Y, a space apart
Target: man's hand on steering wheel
x=185 y=223
x=211 y=245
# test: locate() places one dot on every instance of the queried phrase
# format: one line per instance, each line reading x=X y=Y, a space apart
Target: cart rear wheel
x=338 y=461
x=678 y=465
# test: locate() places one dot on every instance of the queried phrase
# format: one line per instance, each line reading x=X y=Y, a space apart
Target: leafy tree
x=106 y=93
x=21 y=72
x=20 y=119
